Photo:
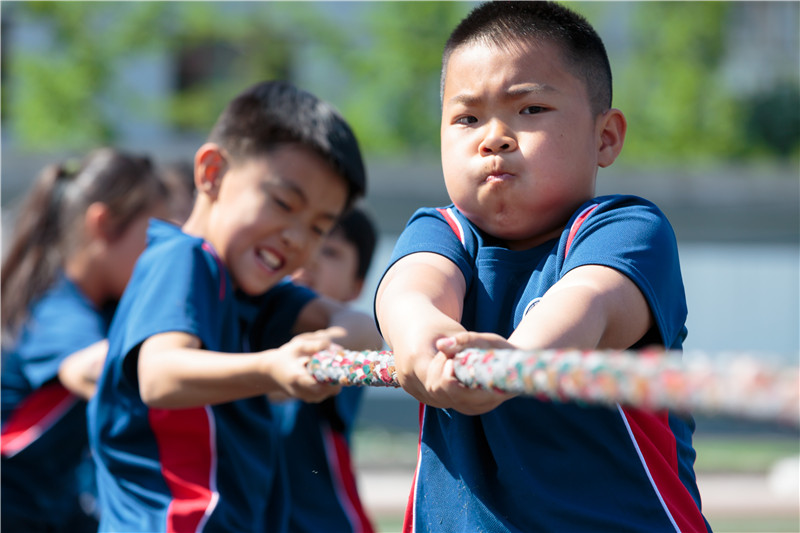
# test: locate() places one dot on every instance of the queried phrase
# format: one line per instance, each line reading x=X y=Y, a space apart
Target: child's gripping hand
x=287 y=367
x=465 y=400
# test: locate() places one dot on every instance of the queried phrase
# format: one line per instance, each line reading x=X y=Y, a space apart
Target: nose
x=499 y=138
x=295 y=236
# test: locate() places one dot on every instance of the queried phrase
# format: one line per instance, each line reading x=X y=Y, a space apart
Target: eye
x=284 y=205
x=466 y=120
x=532 y=110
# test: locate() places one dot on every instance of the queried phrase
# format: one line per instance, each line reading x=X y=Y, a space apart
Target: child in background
x=73 y=249
x=80 y=371
x=316 y=437
x=526 y=257
x=180 y=427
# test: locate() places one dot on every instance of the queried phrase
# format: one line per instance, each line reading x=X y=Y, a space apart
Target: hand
x=288 y=367
x=465 y=400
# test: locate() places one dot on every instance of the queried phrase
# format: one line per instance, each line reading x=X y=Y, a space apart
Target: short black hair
x=358 y=229
x=274 y=113
x=504 y=23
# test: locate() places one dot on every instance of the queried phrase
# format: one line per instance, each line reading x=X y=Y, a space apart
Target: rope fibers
x=733 y=384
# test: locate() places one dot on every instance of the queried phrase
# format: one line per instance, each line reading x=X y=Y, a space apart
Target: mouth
x=498 y=177
x=270 y=260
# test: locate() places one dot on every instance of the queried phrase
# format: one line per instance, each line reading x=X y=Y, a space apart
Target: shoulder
x=179 y=259
x=621 y=218
x=443 y=231
x=64 y=319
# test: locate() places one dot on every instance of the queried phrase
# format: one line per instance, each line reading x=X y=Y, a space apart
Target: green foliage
x=378 y=62
x=670 y=89
x=67 y=94
x=395 y=103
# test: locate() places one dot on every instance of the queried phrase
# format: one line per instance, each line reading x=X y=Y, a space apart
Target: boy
x=316 y=437
x=526 y=258
x=180 y=426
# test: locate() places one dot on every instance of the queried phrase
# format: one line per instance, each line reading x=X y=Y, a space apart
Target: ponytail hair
x=49 y=226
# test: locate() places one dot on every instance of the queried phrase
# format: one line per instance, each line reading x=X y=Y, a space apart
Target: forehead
x=479 y=65
x=299 y=171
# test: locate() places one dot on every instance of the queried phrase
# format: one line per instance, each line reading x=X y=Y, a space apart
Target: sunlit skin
x=520 y=152
x=333 y=270
x=269 y=213
x=520 y=143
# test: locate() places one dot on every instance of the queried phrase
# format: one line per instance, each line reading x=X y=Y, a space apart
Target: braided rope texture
x=738 y=385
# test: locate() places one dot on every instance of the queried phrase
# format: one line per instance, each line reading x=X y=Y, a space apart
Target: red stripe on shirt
x=338 y=452
x=656 y=443
x=408 y=518
x=577 y=224
x=34 y=416
x=187 y=449
x=210 y=249
x=452 y=222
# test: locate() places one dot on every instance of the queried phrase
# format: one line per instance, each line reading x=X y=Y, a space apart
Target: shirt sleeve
x=62 y=324
x=634 y=237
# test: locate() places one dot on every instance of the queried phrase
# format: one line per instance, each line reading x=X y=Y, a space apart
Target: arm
x=419 y=302
x=175 y=372
x=359 y=328
x=591 y=307
x=80 y=371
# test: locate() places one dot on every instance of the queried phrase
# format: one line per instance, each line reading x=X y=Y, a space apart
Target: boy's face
x=333 y=271
x=271 y=213
x=519 y=141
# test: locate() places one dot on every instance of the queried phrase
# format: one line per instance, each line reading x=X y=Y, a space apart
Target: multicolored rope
x=374 y=369
x=738 y=385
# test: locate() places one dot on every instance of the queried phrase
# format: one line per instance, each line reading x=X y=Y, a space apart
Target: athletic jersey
x=315 y=438
x=43 y=425
x=209 y=468
x=316 y=445
x=532 y=465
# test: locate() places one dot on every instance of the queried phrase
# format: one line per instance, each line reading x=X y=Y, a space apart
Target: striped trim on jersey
x=37 y=413
x=344 y=481
x=651 y=435
x=186 y=441
x=453 y=222
x=576 y=226
x=411 y=508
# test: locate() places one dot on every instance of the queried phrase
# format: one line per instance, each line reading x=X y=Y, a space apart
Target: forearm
x=80 y=371
x=359 y=330
x=186 y=377
x=411 y=326
x=592 y=307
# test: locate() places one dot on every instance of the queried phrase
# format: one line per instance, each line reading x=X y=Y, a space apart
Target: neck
x=83 y=271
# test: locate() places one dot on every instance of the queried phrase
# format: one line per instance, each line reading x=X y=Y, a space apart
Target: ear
x=98 y=222
x=611 y=128
x=210 y=166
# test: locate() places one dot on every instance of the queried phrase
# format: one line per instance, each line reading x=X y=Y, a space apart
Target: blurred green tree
x=64 y=91
x=378 y=62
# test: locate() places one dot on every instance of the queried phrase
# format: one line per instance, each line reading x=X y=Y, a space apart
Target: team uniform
x=316 y=442
x=209 y=468
x=315 y=438
x=532 y=465
x=43 y=425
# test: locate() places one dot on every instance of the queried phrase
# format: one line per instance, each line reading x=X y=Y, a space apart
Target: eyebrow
x=515 y=91
x=294 y=189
